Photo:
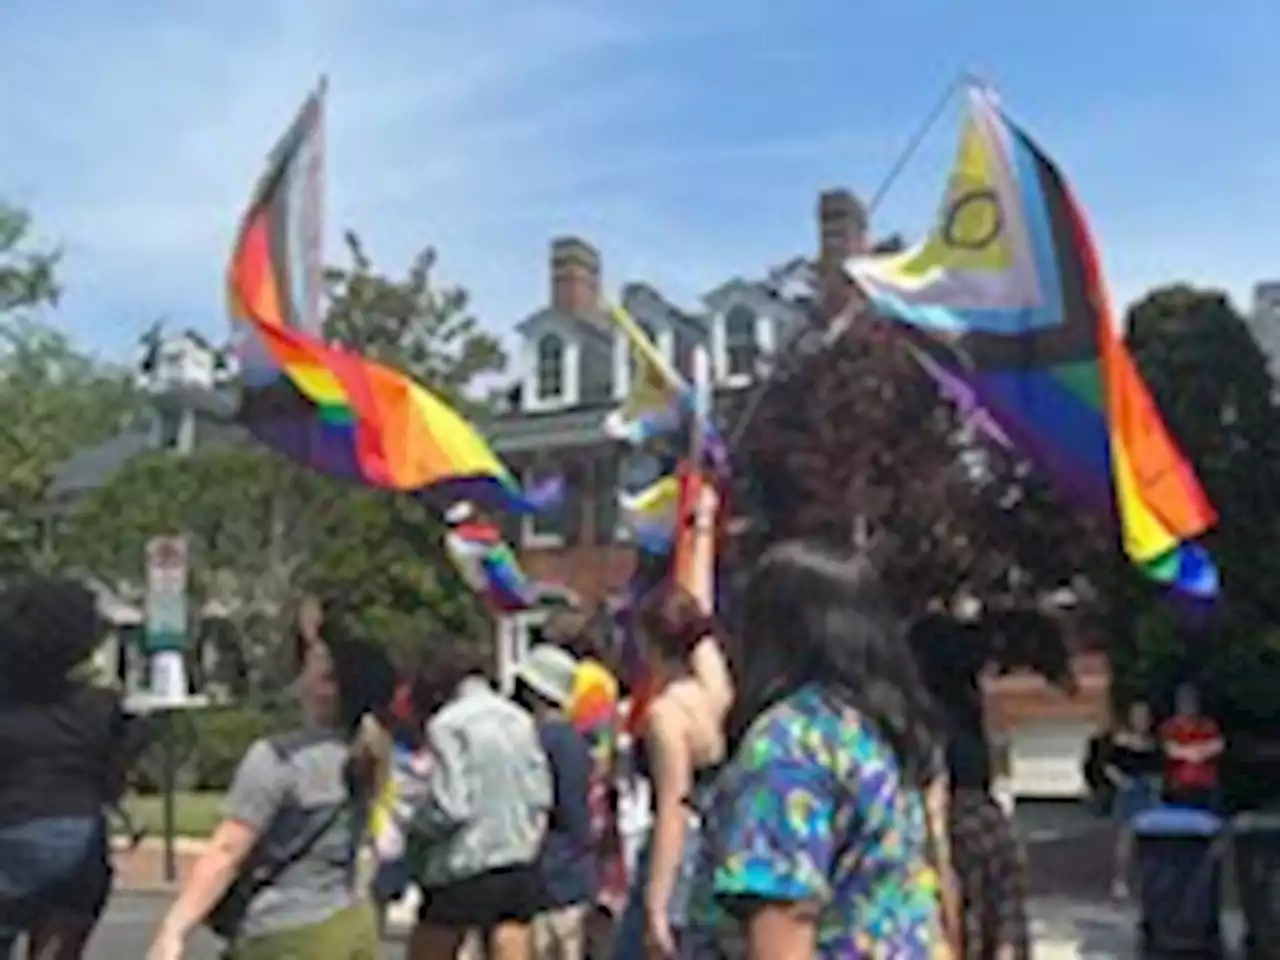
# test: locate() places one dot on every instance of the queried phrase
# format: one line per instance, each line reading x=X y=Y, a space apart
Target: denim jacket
x=488 y=789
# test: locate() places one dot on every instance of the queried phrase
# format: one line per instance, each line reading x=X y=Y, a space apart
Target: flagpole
x=695 y=532
x=314 y=320
x=852 y=311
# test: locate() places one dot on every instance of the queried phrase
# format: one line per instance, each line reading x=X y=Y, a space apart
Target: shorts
x=53 y=866
x=513 y=894
x=350 y=934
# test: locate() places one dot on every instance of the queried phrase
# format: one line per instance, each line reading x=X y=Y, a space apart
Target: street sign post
x=165 y=637
x=166 y=623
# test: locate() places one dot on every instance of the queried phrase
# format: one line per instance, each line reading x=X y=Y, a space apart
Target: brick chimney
x=575 y=276
x=842 y=233
x=842 y=224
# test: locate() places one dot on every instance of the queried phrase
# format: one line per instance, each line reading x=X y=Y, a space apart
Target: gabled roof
x=90 y=468
x=595 y=325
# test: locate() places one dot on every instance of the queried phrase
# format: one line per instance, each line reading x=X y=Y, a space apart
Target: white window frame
x=563 y=362
x=663 y=338
x=734 y=378
x=530 y=535
x=513 y=632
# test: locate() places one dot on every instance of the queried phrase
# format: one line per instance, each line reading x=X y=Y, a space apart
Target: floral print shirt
x=812 y=808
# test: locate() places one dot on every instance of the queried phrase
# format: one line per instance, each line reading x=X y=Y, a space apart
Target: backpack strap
x=272 y=866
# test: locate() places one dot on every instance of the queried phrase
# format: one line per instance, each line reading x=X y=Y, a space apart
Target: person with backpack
x=474 y=841
x=64 y=749
x=278 y=878
x=570 y=876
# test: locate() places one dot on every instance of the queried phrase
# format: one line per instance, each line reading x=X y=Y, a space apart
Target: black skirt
x=513 y=894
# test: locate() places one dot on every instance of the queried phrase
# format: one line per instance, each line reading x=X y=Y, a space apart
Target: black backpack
x=263 y=866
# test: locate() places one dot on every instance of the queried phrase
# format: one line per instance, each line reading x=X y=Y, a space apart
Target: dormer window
x=550 y=367
x=741 y=343
x=652 y=337
x=173 y=429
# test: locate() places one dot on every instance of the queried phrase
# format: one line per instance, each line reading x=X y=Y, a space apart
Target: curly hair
x=48 y=627
x=810 y=616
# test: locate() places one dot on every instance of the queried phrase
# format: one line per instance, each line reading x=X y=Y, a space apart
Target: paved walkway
x=1069 y=853
x=1075 y=930
x=1063 y=929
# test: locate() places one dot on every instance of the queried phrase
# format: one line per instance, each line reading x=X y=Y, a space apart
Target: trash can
x=1179 y=860
x=1256 y=843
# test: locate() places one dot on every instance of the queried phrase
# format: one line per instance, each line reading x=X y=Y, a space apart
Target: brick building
x=573 y=371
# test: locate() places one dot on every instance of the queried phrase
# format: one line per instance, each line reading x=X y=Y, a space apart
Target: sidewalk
x=141 y=870
x=1065 y=929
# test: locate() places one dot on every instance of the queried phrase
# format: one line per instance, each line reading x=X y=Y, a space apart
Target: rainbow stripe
x=1006 y=298
x=489 y=566
x=320 y=404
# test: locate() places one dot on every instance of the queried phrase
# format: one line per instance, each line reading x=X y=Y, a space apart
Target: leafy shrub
x=208 y=746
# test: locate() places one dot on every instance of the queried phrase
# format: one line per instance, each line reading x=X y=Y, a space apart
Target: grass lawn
x=195 y=814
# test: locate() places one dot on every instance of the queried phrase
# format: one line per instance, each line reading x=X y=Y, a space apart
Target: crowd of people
x=1134 y=766
x=810 y=795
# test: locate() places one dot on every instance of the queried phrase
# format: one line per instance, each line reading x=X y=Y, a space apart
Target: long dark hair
x=812 y=617
x=48 y=627
x=366 y=682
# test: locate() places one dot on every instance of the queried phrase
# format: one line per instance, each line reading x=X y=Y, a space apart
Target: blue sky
x=687 y=140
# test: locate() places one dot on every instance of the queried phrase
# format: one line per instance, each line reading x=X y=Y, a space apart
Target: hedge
x=208 y=744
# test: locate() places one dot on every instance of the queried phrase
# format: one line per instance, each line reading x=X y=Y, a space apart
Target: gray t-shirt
x=285 y=786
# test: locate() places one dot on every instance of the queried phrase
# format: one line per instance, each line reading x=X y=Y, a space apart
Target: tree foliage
x=851 y=442
x=263 y=530
x=1212 y=383
x=54 y=399
x=27 y=270
x=413 y=324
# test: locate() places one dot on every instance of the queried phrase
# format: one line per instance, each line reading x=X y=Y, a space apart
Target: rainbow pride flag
x=1007 y=300
x=320 y=404
x=489 y=566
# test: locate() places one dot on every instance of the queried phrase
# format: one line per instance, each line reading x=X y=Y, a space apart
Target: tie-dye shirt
x=812 y=808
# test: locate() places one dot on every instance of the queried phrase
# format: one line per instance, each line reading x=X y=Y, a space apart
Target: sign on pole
x=166 y=624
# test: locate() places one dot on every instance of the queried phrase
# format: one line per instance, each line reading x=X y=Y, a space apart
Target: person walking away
x=1093 y=769
x=544 y=687
x=1192 y=744
x=818 y=832
x=1133 y=769
x=594 y=711
x=474 y=841
x=63 y=754
x=683 y=746
x=278 y=878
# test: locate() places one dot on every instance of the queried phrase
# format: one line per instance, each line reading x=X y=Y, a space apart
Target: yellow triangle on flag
x=971 y=232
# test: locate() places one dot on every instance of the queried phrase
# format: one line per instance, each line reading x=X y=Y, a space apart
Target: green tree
x=264 y=530
x=852 y=441
x=27 y=270
x=411 y=323
x=54 y=399
x=1212 y=383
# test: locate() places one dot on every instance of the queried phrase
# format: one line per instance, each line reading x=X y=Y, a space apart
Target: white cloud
x=671 y=135
x=467 y=127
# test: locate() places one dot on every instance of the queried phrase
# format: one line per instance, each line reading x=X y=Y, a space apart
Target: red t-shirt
x=1190 y=774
